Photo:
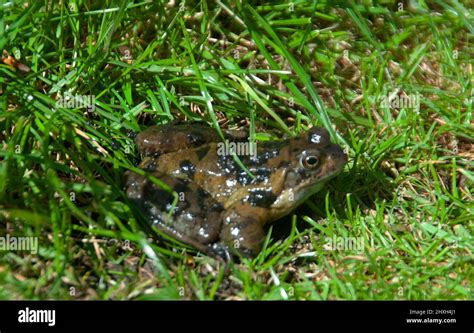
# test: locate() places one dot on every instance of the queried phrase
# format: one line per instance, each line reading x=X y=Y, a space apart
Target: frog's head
x=313 y=161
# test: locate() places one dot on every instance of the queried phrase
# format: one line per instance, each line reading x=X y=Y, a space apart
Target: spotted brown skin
x=221 y=208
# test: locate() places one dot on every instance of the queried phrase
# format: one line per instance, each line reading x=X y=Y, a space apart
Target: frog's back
x=172 y=137
x=176 y=136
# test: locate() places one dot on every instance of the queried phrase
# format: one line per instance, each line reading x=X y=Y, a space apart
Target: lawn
x=392 y=81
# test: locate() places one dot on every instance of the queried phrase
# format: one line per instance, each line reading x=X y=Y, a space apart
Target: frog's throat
x=291 y=198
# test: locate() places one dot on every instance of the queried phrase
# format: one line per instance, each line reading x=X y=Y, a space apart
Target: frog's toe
x=221 y=251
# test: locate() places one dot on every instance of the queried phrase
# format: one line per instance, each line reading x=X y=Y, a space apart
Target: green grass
x=275 y=68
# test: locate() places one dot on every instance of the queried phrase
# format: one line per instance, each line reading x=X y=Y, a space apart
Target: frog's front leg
x=242 y=229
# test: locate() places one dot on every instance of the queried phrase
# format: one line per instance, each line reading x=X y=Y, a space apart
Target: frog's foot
x=221 y=251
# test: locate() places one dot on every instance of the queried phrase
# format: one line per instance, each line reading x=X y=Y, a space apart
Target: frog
x=211 y=202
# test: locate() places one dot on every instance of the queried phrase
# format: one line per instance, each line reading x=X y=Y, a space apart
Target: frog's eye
x=309 y=161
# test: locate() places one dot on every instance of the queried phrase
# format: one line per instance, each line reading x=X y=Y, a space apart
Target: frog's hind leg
x=216 y=252
x=194 y=219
